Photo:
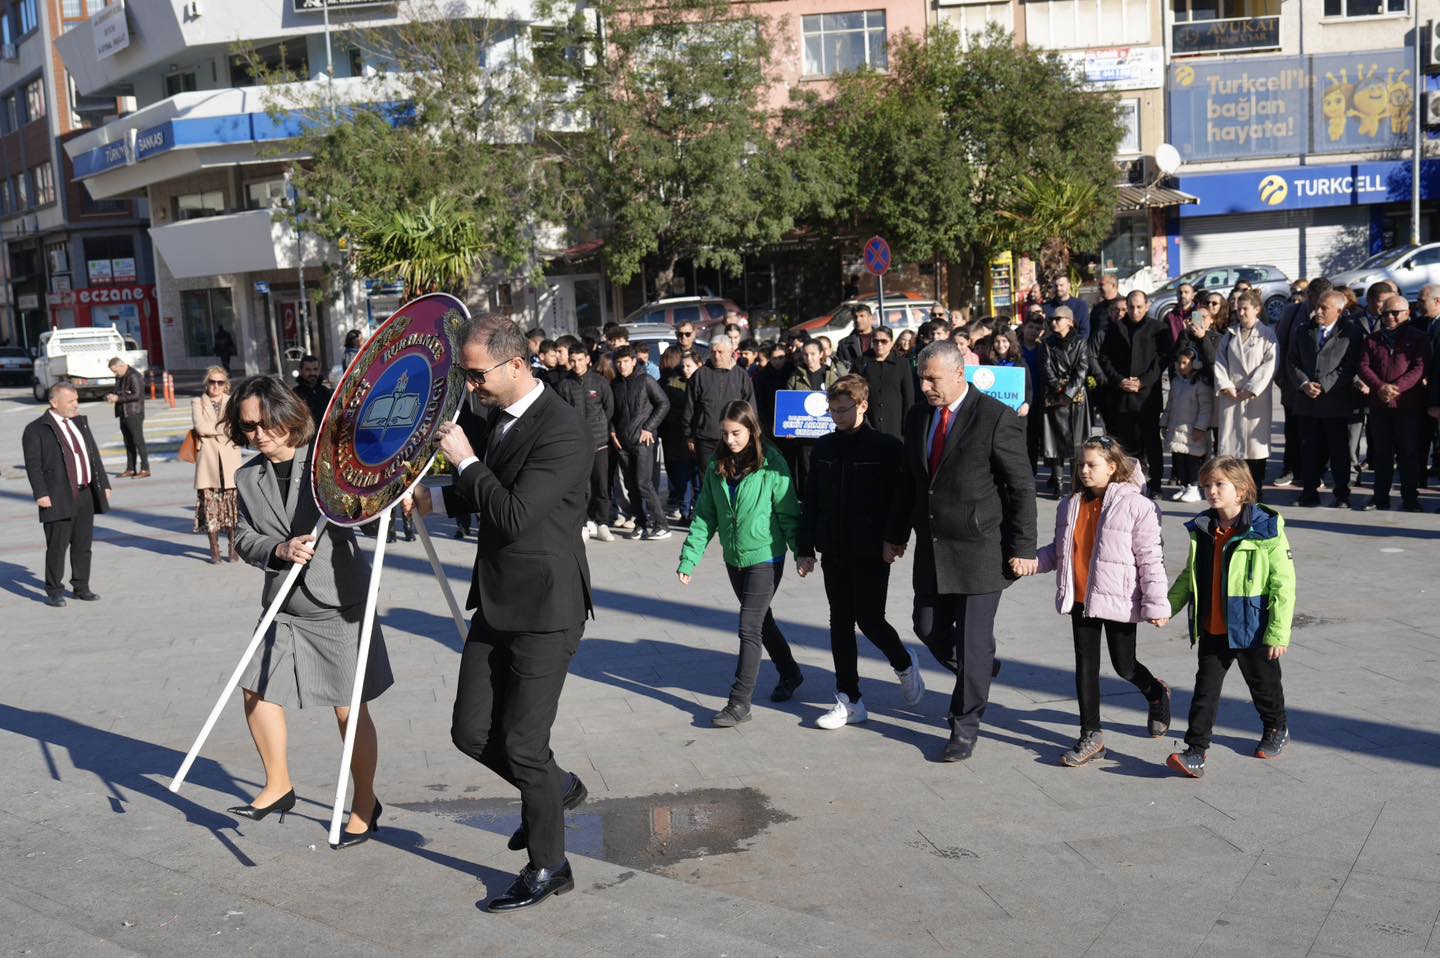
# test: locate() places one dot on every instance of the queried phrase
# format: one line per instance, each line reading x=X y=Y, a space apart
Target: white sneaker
x=1191 y=494
x=912 y=683
x=624 y=522
x=604 y=534
x=844 y=713
x=586 y=530
x=1179 y=494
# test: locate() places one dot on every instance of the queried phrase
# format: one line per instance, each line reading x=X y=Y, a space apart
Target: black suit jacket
x=51 y=468
x=1334 y=366
x=978 y=511
x=530 y=571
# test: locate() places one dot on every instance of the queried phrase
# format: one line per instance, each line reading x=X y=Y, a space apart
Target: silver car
x=1408 y=267
x=16 y=367
x=1274 y=287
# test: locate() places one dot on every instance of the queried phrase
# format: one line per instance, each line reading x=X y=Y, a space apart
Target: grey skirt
x=310 y=661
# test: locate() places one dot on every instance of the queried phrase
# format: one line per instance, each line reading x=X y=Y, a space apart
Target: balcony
x=245 y=242
x=1231 y=35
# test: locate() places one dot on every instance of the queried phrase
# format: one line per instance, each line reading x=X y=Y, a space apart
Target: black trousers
x=1395 y=435
x=679 y=470
x=1327 y=438
x=1185 y=468
x=959 y=630
x=599 y=510
x=1257 y=473
x=132 y=430
x=856 y=590
x=704 y=452
x=637 y=465
x=508 y=692
x=1261 y=674
x=1291 y=463
x=1120 y=637
x=1139 y=433
x=755 y=586
x=75 y=536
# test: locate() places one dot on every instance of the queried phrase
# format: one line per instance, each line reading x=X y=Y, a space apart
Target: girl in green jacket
x=1239 y=587
x=746 y=497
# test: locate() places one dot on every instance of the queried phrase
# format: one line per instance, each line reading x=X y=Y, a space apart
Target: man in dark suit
x=970 y=497
x=68 y=481
x=524 y=468
x=129 y=400
x=891 y=382
x=1322 y=361
x=1133 y=355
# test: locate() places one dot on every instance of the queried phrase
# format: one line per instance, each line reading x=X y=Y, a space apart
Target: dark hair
x=1004 y=333
x=738 y=465
x=352 y=338
x=670 y=358
x=309 y=358
x=641 y=349
x=535 y=332
x=750 y=345
x=734 y=326
x=548 y=344
x=624 y=352
x=611 y=327
x=1197 y=361
x=281 y=410
x=498 y=336
x=570 y=342
x=1114 y=454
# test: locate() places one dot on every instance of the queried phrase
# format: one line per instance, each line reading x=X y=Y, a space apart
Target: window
x=29 y=18
x=1191 y=11
x=190 y=206
x=264 y=194
x=1069 y=24
x=4 y=197
x=35 y=99
x=44 y=178
x=72 y=9
x=89 y=206
x=1364 y=8
x=180 y=82
x=204 y=311
x=686 y=314
x=57 y=257
x=1129 y=114
x=845 y=42
x=275 y=58
x=21 y=188
x=10 y=117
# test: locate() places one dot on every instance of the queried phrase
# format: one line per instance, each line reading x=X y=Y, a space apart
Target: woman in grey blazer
x=308 y=657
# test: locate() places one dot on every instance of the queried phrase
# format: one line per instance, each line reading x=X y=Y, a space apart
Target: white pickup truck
x=82 y=357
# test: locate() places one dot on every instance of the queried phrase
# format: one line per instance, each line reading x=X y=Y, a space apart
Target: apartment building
x=69 y=259
x=1294 y=121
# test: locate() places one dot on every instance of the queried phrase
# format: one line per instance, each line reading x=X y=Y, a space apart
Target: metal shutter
x=1302 y=243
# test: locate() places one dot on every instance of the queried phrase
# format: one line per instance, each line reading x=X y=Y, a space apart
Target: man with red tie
x=970 y=497
x=70 y=486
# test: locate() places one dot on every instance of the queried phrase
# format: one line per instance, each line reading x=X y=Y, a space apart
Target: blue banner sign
x=1005 y=383
x=800 y=414
x=1288 y=106
x=1307 y=187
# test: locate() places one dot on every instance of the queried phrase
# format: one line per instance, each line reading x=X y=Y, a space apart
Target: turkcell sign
x=1307 y=187
x=801 y=414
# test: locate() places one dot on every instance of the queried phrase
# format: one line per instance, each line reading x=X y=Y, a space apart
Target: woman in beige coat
x=216 y=459
x=1244 y=370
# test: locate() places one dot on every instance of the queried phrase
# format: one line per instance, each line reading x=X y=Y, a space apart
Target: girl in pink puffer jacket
x=1110 y=575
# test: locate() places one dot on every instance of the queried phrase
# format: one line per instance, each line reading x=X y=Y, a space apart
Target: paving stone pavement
x=774 y=838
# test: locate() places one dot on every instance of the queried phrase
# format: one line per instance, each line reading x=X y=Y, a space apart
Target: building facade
x=1294 y=121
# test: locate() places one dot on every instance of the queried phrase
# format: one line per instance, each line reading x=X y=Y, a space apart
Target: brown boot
x=233 y=556
x=214 y=548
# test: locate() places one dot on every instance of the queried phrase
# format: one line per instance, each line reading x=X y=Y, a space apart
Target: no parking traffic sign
x=877 y=256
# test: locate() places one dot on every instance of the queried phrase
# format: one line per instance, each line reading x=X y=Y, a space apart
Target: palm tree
x=1053 y=217
x=435 y=248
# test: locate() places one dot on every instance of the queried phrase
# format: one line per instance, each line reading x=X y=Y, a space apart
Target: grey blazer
x=337 y=576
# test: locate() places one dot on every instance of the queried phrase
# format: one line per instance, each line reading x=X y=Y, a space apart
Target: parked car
x=81 y=357
x=902 y=311
x=703 y=311
x=16 y=367
x=1408 y=267
x=659 y=338
x=1274 y=287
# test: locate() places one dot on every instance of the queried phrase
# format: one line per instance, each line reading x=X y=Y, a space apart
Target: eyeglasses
x=686 y=333
x=882 y=342
x=477 y=376
x=217 y=382
x=251 y=427
x=1395 y=312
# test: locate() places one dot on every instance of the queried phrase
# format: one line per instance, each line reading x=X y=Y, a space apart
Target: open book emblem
x=394 y=409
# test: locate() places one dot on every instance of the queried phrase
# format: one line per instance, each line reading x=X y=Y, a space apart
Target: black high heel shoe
x=282 y=805
x=350 y=839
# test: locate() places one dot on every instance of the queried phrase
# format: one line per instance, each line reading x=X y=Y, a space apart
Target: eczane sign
x=112 y=32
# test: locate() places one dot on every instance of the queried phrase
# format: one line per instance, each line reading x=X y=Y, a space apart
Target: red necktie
x=937 y=444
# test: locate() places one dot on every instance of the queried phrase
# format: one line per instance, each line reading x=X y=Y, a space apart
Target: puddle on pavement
x=649 y=833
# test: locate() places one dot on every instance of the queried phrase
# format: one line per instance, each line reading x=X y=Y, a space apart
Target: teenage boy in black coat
x=640 y=407
x=855 y=473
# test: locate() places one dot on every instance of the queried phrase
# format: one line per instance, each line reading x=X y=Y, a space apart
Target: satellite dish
x=1167 y=159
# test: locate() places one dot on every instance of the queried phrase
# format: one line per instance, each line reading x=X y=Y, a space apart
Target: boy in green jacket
x=1239 y=587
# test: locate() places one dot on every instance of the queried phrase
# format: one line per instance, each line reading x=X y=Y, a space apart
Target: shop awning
x=1150 y=197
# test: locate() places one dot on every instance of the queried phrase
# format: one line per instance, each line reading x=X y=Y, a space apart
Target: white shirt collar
x=517 y=409
x=61 y=419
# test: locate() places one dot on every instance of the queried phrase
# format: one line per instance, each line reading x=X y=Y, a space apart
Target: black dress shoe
x=785 y=689
x=351 y=839
x=533 y=886
x=55 y=601
x=575 y=793
x=282 y=805
x=960 y=747
x=87 y=596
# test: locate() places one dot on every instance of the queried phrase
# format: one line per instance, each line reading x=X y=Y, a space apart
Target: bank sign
x=1288 y=106
x=1307 y=187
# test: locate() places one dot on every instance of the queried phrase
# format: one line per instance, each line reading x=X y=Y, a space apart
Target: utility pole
x=1419 y=135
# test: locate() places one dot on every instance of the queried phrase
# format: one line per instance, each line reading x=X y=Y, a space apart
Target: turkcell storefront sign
x=1288 y=106
x=1307 y=187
